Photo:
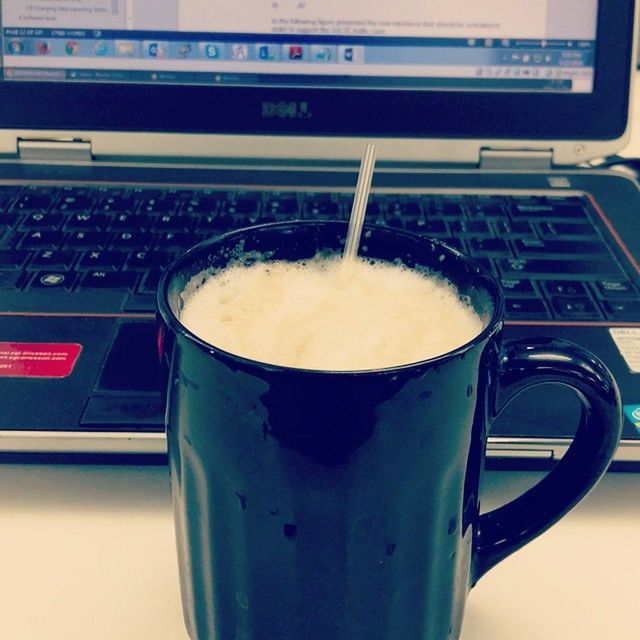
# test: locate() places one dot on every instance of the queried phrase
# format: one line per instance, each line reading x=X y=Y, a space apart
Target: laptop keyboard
x=551 y=259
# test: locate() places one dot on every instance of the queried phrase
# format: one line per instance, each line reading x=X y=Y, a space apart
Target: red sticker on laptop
x=38 y=359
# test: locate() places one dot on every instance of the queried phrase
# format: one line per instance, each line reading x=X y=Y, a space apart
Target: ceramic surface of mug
x=315 y=504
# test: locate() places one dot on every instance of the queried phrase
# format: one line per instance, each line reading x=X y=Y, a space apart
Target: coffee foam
x=326 y=314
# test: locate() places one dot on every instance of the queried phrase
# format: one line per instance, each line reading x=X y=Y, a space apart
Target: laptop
x=132 y=129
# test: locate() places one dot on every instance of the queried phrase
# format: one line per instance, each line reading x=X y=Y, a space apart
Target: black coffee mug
x=322 y=505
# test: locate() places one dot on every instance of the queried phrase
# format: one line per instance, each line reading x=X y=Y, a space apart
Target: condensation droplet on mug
x=242 y=599
x=469 y=390
x=290 y=531
x=187 y=383
x=242 y=500
x=391 y=549
x=453 y=525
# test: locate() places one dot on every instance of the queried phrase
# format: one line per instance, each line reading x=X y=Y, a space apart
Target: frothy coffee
x=327 y=315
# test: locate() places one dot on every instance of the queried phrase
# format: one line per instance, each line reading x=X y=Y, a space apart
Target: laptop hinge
x=63 y=150
x=516 y=158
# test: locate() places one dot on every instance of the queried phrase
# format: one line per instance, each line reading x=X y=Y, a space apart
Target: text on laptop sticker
x=38 y=359
x=627 y=340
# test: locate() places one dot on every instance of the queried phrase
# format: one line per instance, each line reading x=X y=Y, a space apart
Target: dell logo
x=284 y=109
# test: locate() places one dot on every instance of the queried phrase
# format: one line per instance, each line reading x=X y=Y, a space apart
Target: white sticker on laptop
x=627 y=340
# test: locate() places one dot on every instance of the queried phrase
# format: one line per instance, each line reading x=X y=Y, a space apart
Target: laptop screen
x=519 y=45
x=427 y=69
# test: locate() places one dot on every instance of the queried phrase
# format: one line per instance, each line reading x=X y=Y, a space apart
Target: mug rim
x=173 y=322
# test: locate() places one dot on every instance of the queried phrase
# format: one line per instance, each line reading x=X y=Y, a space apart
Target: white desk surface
x=87 y=553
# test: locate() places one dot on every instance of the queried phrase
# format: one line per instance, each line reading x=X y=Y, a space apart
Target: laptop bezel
x=398 y=114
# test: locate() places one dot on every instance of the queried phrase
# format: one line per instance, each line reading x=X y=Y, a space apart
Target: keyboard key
x=53 y=280
x=373 y=210
x=515 y=229
x=470 y=229
x=488 y=247
x=216 y=223
x=433 y=228
x=4 y=231
x=517 y=287
x=11 y=280
x=177 y=241
x=487 y=209
x=541 y=209
x=395 y=222
x=242 y=206
x=130 y=240
x=129 y=222
x=86 y=239
x=519 y=307
x=559 y=248
x=566 y=230
x=271 y=216
x=41 y=240
x=322 y=208
x=87 y=222
x=158 y=205
x=441 y=210
x=12 y=258
x=558 y=269
x=420 y=225
x=118 y=204
x=70 y=191
x=284 y=204
x=33 y=202
x=616 y=289
x=168 y=222
x=565 y=288
x=143 y=260
x=41 y=220
x=202 y=205
x=405 y=210
x=75 y=203
x=8 y=219
x=50 y=259
x=100 y=279
x=140 y=302
x=102 y=260
x=150 y=282
x=7 y=195
x=579 y=307
x=623 y=309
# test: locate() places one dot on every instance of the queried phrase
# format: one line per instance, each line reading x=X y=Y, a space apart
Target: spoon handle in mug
x=525 y=363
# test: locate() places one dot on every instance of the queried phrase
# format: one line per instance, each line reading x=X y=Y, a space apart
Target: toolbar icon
x=211 y=51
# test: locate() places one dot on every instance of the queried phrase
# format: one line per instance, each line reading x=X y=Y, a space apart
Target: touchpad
x=132 y=363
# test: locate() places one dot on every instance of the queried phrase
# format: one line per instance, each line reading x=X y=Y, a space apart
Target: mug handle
x=523 y=364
